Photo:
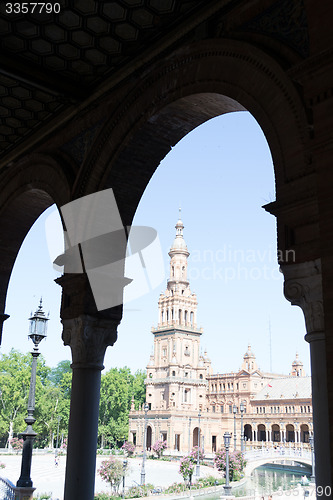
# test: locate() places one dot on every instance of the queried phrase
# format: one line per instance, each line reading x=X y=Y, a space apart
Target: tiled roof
x=285 y=388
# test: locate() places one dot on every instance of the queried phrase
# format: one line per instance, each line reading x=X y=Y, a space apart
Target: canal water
x=265 y=480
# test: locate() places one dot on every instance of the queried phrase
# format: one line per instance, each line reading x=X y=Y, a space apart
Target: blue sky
x=220 y=174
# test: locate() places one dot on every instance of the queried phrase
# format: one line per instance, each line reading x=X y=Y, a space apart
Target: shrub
x=129 y=448
x=105 y=496
x=186 y=467
x=16 y=444
x=2 y=465
x=237 y=464
x=159 y=447
x=112 y=471
x=139 y=491
x=194 y=454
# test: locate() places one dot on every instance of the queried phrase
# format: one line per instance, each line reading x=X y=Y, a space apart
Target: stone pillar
x=303 y=287
x=88 y=332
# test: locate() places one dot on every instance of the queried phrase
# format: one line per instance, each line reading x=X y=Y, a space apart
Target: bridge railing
x=276 y=453
x=7 y=489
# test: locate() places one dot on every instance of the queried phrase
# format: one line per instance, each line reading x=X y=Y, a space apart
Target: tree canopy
x=53 y=392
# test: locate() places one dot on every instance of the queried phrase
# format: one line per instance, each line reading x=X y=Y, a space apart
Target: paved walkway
x=47 y=477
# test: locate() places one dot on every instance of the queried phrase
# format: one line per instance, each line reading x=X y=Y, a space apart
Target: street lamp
x=38 y=327
x=143 y=472
x=227 y=438
x=198 y=454
x=242 y=409
x=312 y=477
x=234 y=409
x=56 y=451
x=189 y=433
x=124 y=471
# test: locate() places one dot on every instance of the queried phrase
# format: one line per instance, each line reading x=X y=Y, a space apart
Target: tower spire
x=178 y=304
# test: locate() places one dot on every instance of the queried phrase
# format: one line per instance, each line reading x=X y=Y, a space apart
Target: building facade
x=184 y=395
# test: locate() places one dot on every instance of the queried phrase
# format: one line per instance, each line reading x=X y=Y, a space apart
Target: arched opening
x=248 y=432
x=261 y=432
x=305 y=433
x=149 y=437
x=276 y=435
x=290 y=433
x=195 y=436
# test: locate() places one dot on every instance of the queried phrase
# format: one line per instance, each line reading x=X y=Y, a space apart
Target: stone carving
x=286 y=21
x=88 y=338
x=303 y=288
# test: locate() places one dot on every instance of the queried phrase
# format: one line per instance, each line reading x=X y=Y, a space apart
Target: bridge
x=256 y=458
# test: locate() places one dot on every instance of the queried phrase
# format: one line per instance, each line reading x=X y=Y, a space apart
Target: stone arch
x=149 y=437
x=276 y=433
x=290 y=433
x=199 y=82
x=248 y=432
x=305 y=433
x=261 y=432
x=195 y=436
x=32 y=186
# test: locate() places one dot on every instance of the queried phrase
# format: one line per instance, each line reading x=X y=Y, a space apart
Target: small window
x=213 y=409
x=200 y=376
x=150 y=375
x=173 y=373
x=222 y=409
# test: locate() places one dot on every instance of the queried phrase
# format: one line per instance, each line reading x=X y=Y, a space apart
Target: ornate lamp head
x=38 y=325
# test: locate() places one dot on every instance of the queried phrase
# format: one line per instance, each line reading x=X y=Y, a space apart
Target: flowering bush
x=129 y=448
x=194 y=454
x=174 y=488
x=112 y=471
x=140 y=491
x=237 y=463
x=2 y=465
x=16 y=444
x=159 y=447
x=186 y=467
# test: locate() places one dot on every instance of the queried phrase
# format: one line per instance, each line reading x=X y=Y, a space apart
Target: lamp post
x=38 y=327
x=56 y=452
x=312 y=477
x=189 y=434
x=234 y=409
x=143 y=471
x=242 y=408
x=198 y=454
x=124 y=471
x=227 y=487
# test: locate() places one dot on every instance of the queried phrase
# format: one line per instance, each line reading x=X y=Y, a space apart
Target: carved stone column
x=88 y=333
x=303 y=287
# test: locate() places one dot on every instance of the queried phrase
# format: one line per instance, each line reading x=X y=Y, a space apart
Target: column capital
x=303 y=288
x=88 y=338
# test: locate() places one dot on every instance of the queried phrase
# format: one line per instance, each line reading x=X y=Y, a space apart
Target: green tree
x=15 y=373
x=138 y=388
x=118 y=387
x=114 y=406
x=56 y=374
